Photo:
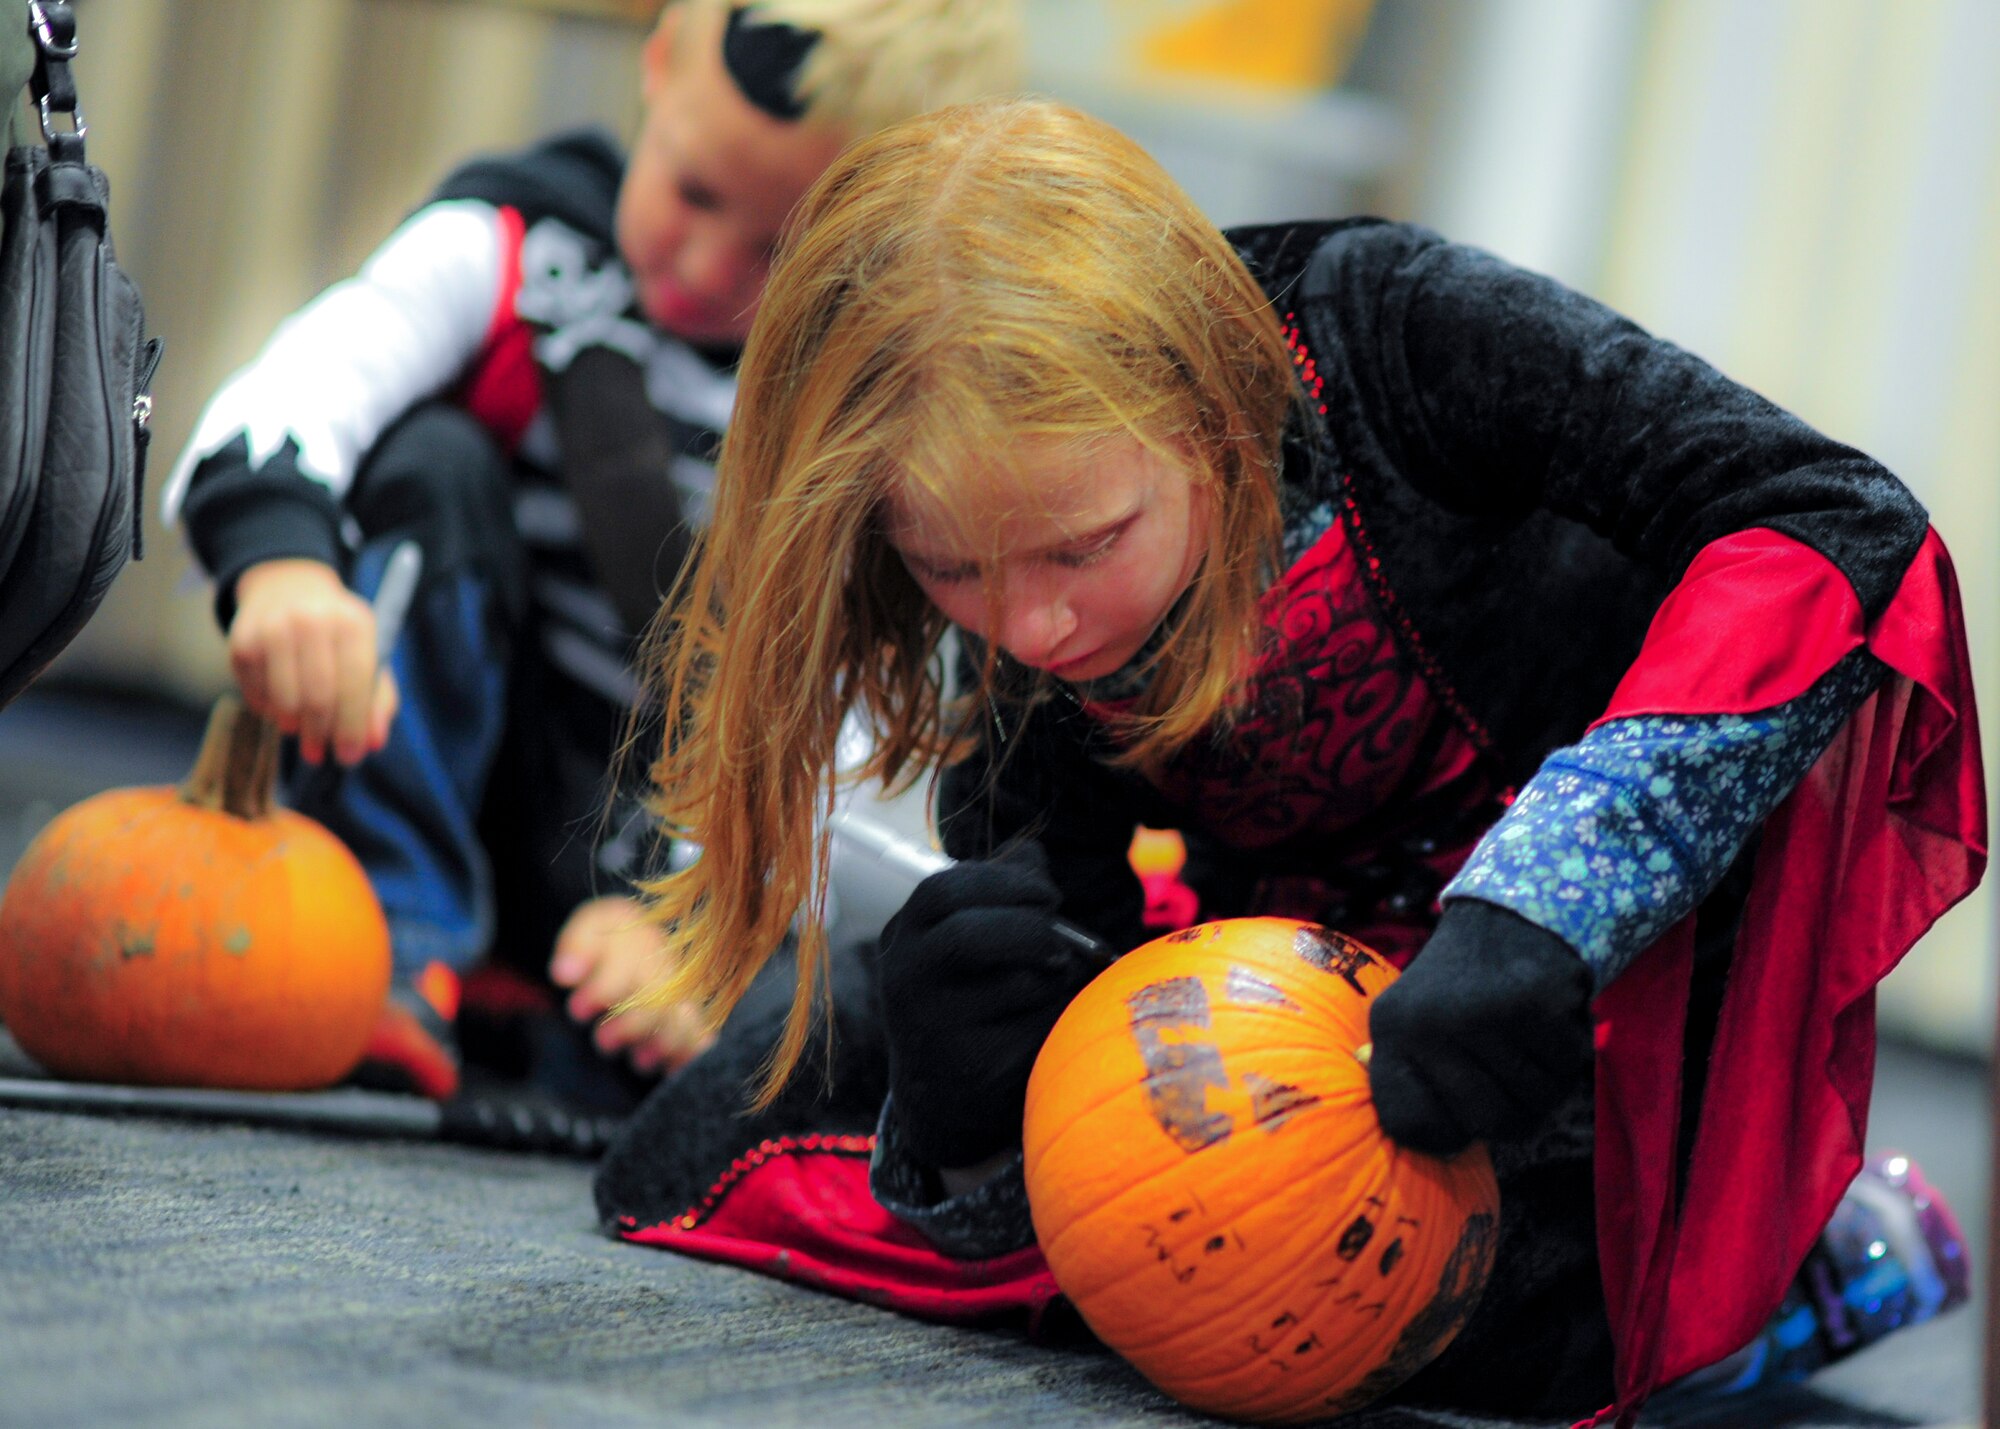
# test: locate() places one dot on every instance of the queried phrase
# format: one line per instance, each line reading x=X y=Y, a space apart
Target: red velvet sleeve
x=1886 y=832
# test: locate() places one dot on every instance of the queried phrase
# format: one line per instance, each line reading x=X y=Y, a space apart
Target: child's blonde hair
x=881 y=61
x=953 y=286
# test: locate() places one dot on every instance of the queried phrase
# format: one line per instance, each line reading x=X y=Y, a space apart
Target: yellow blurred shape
x=1273 y=44
x=1156 y=851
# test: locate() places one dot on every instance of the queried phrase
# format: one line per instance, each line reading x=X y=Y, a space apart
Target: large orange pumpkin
x=1211 y=1188
x=194 y=936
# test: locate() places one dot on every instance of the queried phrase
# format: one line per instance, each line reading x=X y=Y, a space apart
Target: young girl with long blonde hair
x=1431 y=601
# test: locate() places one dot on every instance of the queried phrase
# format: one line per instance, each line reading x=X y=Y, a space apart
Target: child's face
x=710 y=182
x=1089 y=566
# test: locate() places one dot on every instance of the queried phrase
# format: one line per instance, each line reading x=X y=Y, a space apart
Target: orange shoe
x=412 y=1048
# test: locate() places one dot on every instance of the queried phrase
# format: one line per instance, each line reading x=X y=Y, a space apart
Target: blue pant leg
x=410 y=811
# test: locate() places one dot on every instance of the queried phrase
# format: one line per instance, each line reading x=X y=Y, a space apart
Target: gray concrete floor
x=154 y=1272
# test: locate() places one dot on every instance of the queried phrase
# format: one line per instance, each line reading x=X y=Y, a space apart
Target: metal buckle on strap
x=45 y=35
x=77 y=127
x=54 y=51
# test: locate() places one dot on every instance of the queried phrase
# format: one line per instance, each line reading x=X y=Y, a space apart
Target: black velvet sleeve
x=1498 y=392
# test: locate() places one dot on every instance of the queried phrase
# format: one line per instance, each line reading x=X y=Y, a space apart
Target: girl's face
x=1088 y=566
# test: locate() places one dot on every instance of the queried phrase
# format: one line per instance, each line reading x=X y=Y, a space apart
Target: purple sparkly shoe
x=1891 y=1255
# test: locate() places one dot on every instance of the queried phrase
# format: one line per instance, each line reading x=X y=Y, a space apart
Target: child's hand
x=302 y=647
x=606 y=952
x=972 y=974
x=1484 y=1036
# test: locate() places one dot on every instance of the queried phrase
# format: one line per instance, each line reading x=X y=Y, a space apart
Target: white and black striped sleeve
x=275 y=451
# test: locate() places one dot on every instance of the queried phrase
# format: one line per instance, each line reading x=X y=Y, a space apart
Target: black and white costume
x=411 y=400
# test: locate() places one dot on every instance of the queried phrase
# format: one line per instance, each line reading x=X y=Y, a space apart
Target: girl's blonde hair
x=880 y=61
x=998 y=273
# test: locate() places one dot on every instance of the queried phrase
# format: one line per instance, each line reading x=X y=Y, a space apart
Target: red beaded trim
x=1303 y=360
x=1385 y=595
x=1378 y=584
x=746 y=1163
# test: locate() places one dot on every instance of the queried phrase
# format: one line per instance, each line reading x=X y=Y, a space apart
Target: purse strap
x=52 y=26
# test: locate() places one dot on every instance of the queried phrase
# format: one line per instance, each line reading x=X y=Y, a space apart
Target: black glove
x=972 y=974
x=1484 y=1036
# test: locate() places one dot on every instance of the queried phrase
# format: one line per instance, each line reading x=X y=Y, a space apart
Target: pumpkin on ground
x=194 y=936
x=1212 y=1190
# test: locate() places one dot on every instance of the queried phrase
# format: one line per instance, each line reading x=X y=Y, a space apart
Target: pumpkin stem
x=237 y=769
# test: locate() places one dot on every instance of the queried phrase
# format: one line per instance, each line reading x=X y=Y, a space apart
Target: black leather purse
x=75 y=372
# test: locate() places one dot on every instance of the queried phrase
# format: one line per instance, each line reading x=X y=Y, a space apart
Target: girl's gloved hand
x=1485 y=1034
x=972 y=974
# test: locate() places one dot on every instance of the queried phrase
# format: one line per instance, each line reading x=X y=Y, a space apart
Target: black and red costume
x=1541 y=518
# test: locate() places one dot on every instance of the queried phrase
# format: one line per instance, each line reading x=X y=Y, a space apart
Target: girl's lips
x=1066 y=667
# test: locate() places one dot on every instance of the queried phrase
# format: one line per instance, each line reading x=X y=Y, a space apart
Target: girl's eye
x=940 y=575
x=1089 y=555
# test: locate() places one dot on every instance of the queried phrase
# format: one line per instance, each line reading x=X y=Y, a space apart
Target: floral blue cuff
x=1618 y=837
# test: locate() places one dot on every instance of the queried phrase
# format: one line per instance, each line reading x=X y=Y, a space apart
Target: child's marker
x=391 y=606
x=393 y=596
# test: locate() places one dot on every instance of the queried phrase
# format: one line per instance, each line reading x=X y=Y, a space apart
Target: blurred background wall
x=1806 y=192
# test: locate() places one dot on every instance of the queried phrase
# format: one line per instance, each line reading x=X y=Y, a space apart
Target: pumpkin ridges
x=1304 y=1195
x=1295 y=1292
x=1183 y=1369
x=1141 y=1178
x=1300 y=1194
x=1300 y=1201
x=1065 y=1055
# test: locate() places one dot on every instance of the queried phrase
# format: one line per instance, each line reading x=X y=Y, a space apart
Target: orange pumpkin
x=194 y=936
x=1211 y=1188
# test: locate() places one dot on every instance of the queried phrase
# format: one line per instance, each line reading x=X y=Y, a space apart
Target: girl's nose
x=1035 y=627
